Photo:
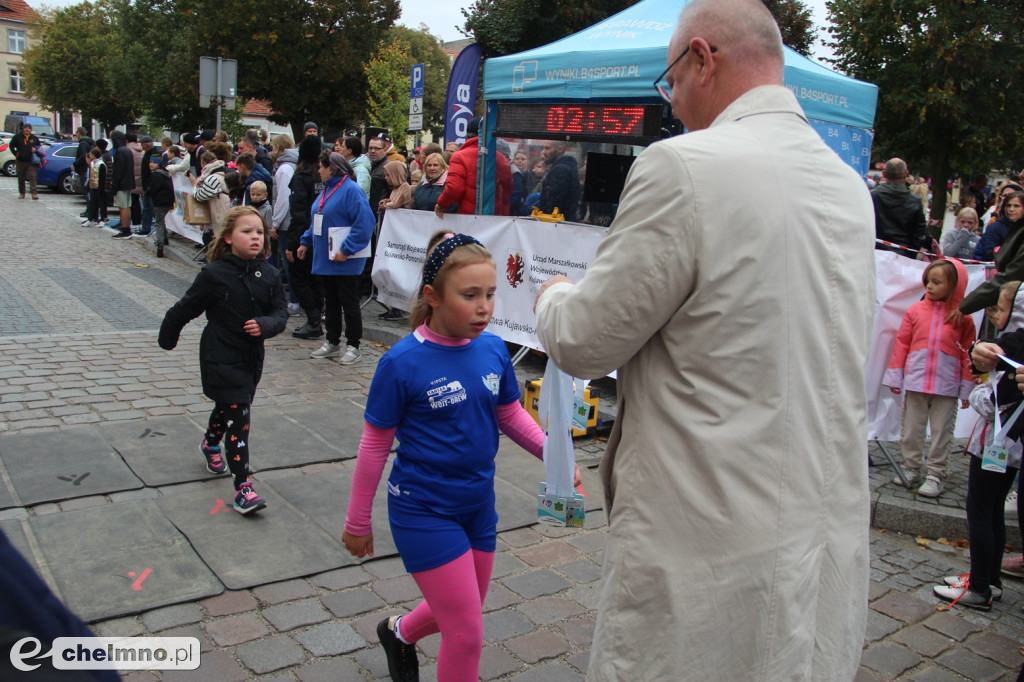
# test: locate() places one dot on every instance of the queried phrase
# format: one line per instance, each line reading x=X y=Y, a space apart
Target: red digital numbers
x=595 y=120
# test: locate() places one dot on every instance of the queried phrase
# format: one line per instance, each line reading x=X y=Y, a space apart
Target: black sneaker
x=403 y=664
x=308 y=331
x=393 y=315
x=123 y=234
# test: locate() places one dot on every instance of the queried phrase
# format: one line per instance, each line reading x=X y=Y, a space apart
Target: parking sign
x=416 y=81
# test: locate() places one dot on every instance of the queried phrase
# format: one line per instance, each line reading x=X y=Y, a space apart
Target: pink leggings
x=454 y=611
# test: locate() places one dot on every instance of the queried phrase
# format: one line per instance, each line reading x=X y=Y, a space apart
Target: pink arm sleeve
x=516 y=423
x=374 y=446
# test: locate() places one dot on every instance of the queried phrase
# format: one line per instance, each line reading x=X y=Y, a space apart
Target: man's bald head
x=742 y=29
x=895 y=169
x=721 y=49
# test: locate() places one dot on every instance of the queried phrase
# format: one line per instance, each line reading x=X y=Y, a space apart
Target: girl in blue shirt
x=445 y=390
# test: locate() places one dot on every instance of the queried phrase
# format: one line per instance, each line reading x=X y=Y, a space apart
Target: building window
x=15 y=41
x=17 y=84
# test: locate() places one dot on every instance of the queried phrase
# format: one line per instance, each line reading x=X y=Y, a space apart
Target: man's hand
x=438 y=211
x=300 y=253
x=544 y=287
x=290 y=255
x=955 y=317
x=252 y=328
x=339 y=257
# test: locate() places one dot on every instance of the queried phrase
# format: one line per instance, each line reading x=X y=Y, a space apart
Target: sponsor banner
x=527 y=253
x=175 y=220
x=898 y=281
x=461 y=97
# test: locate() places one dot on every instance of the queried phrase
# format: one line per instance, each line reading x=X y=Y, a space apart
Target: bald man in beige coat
x=738 y=316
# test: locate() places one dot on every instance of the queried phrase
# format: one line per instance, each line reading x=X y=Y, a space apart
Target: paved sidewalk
x=77 y=348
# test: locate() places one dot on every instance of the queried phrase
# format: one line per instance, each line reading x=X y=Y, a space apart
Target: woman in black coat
x=307 y=287
x=244 y=303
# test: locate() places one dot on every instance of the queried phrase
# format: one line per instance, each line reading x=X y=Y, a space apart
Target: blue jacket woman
x=342 y=203
x=341 y=227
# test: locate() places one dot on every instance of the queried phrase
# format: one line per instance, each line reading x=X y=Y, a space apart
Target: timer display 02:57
x=632 y=121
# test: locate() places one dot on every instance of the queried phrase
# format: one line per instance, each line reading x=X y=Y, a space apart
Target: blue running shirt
x=442 y=400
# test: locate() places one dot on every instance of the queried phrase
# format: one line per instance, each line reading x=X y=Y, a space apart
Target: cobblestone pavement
x=77 y=345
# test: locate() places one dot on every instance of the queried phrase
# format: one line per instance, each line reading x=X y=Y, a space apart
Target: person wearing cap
x=191 y=142
x=310 y=128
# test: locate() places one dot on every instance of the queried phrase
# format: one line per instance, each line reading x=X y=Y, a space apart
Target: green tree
x=509 y=26
x=76 y=62
x=425 y=49
x=306 y=60
x=949 y=76
x=165 y=54
x=794 y=19
x=387 y=73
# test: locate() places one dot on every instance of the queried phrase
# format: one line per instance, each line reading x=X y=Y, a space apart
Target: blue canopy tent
x=617 y=60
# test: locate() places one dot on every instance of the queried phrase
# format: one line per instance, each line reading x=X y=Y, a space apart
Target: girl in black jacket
x=244 y=304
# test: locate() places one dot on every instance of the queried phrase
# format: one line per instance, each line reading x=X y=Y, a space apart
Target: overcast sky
x=443 y=17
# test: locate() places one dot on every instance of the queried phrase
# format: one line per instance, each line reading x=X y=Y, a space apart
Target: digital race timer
x=627 y=123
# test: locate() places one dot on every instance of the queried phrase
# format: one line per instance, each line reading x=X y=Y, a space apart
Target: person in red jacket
x=462 y=178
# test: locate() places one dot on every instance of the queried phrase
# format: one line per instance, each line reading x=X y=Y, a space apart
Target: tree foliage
x=115 y=59
x=388 y=76
x=949 y=75
x=307 y=61
x=77 y=62
x=794 y=19
x=509 y=26
x=425 y=49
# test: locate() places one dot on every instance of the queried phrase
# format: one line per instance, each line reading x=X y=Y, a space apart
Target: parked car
x=56 y=174
x=7 y=164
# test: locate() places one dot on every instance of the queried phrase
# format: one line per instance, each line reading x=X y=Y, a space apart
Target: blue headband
x=440 y=254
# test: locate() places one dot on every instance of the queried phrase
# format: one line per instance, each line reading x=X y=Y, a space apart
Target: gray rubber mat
x=337 y=422
x=280 y=440
x=277 y=543
x=161 y=450
x=5 y=497
x=309 y=492
x=119 y=559
x=59 y=465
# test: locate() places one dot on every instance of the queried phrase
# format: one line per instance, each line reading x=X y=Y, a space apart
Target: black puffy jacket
x=231 y=291
x=300 y=203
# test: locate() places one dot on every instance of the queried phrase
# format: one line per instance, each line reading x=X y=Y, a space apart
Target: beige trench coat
x=734 y=293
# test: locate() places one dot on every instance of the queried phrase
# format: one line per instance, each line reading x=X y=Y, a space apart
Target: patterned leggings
x=230 y=422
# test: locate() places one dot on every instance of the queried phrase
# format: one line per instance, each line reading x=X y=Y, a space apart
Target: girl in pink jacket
x=930 y=364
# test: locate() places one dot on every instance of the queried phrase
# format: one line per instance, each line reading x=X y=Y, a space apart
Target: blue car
x=56 y=174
